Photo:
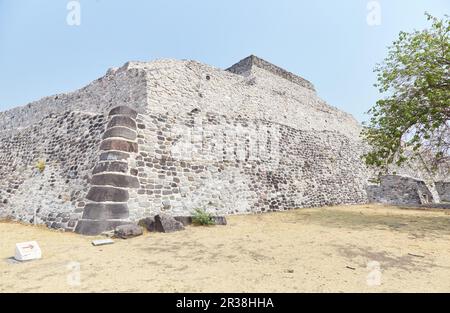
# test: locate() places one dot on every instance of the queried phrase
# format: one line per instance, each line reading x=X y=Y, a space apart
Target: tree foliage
x=412 y=119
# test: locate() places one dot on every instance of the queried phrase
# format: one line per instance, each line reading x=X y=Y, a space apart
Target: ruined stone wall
x=173 y=136
x=68 y=143
x=103 y=170
x=245 y=66
x=178 y=87
x=123 y=86
x=395 y=189
x=443 y=189
x=235 y=165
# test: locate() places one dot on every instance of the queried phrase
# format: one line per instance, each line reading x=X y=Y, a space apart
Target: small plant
x=201 y=217
x=40 y=165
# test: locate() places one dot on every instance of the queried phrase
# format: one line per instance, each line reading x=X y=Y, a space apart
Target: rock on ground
x=167 y=224
x=128 y=231
x=148 y=223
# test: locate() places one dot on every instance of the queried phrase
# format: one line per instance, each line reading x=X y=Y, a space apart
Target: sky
x=334 y=44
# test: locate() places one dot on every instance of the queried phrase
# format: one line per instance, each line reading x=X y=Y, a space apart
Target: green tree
x=412 y=119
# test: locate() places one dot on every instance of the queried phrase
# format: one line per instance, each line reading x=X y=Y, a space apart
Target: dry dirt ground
x=306 y=250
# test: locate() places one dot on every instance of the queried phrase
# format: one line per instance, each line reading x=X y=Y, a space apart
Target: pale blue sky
x=328 y=42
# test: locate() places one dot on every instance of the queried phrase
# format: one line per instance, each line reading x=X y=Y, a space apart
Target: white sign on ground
x=26 y=251
x=102 y=242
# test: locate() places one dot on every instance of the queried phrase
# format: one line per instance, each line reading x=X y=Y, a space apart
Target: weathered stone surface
x=113 y=166
x=148 y=223
x=259 y=140
x=443 y=189
x=185 y=220
x=114 y=155
x=102 y=194
x=117 y=180
x=166 y=224
x=220 y=220
x=395 y=189
x=123 y=110
x=120 y=120
x=105 y=211
x=122 y=132
x=117 y=144
x=128 y=231
x=245 y=65
x=96 y=227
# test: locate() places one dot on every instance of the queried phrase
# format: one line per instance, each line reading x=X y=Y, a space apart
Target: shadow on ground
x=418 y=226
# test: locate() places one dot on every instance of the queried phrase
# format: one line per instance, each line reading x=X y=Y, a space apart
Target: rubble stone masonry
x=172 y=136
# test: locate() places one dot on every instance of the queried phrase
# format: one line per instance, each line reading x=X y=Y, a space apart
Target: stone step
x=120 y=145
x=105 y=194
x=123 y=110
x=111 y=166
x=96 y=227
x=121 y=120
x=105 y=211
x=120 y=132
x=114 y=156
x=116 y=180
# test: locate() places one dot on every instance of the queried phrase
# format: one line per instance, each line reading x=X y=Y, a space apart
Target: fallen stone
x=219 y=220
x=148 y=223
x=185 y=220
x=128 y=231
x=166 y=224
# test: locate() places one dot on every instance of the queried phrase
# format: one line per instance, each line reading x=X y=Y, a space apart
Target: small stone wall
x=443 y=189
x=398 y=190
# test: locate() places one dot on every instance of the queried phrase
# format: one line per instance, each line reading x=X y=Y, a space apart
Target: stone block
x=116 y=180
x=122 y=132
x=219 y=220
x=96 y=227
x=123 y=110
x=113 y=156
x=114 y=166
x=166 y=224
x=128 y=231
x=148 y=223
x=120 y=120
x=105 y=211
x=117 y=144
x=185 y=220
x=102 y=194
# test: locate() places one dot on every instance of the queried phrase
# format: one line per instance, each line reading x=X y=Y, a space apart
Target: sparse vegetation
x=40 y=165
x=201 y=217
